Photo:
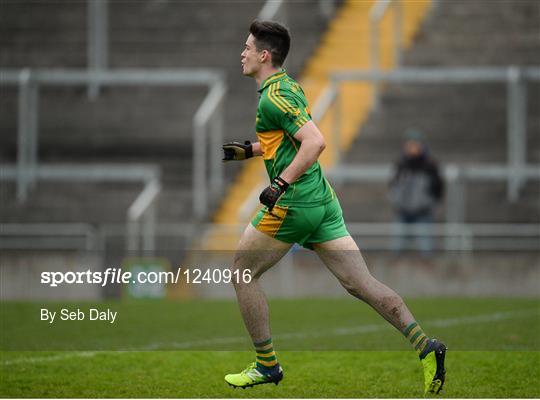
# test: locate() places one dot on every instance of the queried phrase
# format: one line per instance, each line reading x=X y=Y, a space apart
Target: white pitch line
x=483 y=318
x=56 y=357
x=445 y=322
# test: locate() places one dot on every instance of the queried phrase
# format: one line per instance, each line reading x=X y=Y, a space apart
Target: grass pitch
x=328 y=348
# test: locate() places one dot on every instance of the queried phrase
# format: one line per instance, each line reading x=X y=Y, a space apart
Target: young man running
x=301 y=207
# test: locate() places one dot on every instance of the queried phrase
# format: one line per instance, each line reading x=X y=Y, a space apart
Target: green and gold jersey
x=282 y=111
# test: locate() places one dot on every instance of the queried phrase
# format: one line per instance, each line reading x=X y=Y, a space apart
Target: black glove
x=237 y=151
x=272 y=193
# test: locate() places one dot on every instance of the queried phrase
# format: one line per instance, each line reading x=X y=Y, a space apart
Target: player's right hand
x=237 y=151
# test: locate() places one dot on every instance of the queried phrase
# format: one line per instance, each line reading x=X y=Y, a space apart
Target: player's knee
x=356 y=292
x=360 y=287
x=242 y=276
x=236 y=271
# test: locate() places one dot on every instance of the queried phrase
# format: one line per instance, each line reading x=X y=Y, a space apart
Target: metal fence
x=449 y=237
x=207 y=123
x=141 y=215
x=98 y=31
x=376 y=14
x=456 y=225
x=98 y=41
x=514 y=77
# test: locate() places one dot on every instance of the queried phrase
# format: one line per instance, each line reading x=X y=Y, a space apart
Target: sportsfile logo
x=103 y=278
x=120 y=276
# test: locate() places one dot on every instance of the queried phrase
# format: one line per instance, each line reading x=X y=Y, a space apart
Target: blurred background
x=113 y=113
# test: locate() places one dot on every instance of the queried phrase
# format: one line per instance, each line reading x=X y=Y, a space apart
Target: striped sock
x=416 y=336
x=266 y=356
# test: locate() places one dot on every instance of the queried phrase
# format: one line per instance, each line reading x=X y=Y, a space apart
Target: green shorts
x=302 y=225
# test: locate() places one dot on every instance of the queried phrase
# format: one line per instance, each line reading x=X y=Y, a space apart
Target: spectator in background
x=415 y=190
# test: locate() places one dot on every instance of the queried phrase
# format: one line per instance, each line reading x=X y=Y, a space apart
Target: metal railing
x=141 y=215
x=98 y=41
x=461 y=237
x=456 y=178
x=141 y=219
x=447 y=236
x=272 y=9
x=376 y=14
x=211 y=106
x=18 y=236
x=210 y=116
x=98 y=31
x=277 y=9
x=515 y=78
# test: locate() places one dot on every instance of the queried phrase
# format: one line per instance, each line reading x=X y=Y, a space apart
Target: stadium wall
x=20 y=274
x=452 y=274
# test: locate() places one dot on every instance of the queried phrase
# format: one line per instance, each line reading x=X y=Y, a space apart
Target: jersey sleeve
x=286 y=110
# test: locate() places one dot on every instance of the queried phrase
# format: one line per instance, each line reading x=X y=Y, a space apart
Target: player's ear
x=265 y=54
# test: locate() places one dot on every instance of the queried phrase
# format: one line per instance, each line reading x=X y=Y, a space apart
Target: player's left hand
x=272 y=193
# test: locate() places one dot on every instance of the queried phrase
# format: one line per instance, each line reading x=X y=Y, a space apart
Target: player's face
x=250 y=57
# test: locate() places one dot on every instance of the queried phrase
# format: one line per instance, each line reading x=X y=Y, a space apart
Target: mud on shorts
x=302 y=225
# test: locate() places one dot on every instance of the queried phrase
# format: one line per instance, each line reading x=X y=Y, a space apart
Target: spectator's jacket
x=416 y=186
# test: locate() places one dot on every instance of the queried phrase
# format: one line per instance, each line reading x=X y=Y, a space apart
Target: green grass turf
x=307 y=374
x=494 y=350
x=300 y=324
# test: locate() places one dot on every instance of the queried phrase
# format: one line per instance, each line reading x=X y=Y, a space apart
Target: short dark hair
x=273 y=37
